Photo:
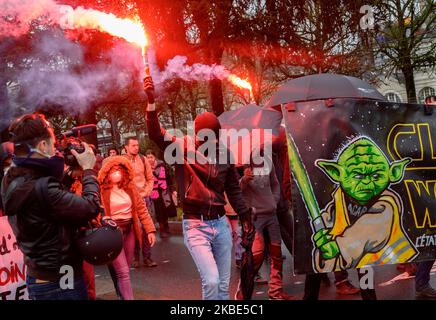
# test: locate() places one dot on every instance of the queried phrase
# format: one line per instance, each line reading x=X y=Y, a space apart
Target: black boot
x=311 y=286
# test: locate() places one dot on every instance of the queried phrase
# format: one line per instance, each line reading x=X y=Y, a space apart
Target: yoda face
x=363 y=171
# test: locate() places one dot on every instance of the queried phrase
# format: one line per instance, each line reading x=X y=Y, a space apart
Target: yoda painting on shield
x=363 y=221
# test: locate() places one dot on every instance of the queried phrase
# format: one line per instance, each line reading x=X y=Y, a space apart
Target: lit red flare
x=130 y=30
x=241 y=83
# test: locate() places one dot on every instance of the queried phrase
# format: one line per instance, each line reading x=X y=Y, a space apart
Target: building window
x=393 y=97
x=425 y=92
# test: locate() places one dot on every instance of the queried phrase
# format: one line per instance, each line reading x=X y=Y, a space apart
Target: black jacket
x=201 y=186
x=45 y=231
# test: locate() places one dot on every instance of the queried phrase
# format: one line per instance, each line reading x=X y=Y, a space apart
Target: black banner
x=364 y=182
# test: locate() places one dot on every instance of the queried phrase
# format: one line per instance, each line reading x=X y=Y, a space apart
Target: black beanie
x=207 y=120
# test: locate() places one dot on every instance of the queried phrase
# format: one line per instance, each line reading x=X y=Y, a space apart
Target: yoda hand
x=330 y=250
x=328 y=247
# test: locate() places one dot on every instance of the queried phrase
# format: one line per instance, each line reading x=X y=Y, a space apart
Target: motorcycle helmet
x=99 y=246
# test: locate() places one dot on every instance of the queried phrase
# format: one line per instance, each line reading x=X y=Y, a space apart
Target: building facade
x=394 y=89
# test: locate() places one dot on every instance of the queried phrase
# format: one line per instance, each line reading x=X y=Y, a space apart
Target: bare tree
x=405 y=42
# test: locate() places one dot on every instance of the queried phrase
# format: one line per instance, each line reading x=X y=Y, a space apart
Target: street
x=176 y=278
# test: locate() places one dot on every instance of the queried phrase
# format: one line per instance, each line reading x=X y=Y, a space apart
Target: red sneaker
x=282 y=296
x=346 y=288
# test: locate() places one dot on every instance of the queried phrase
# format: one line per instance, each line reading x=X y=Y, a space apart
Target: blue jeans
x=53 y=291
x=210 y=245
x=422 y=277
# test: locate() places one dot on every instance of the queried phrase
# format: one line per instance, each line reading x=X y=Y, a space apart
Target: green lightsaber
x=304 y=185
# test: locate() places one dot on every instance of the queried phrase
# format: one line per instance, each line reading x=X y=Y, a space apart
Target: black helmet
x=100 y=245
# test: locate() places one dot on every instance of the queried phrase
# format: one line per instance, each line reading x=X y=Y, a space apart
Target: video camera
x=70 y=140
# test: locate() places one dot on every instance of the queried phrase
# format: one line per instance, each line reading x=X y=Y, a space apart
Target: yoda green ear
x=396 y=171
x=331 y=168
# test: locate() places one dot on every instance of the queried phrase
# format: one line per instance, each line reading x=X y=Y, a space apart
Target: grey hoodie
x=262 y=192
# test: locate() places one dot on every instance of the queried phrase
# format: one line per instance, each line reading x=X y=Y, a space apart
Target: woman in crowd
x=122 y=202
x=161 y=197
x=113 y=151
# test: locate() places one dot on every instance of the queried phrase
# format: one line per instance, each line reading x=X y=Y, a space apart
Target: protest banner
x=364 y=182
x=12 y=267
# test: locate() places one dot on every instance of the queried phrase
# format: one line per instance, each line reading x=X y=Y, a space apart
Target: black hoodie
x=201 y=185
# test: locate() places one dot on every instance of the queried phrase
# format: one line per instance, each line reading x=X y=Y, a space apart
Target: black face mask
x=207 y=120
x=53 y=166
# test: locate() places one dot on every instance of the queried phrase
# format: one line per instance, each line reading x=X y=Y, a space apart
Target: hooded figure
x=202 y=181
x=207 y=120
x=139 y=209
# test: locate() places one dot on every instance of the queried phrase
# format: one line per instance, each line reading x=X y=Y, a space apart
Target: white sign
x=12 y=267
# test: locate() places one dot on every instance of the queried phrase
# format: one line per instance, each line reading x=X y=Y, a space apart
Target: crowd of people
x=225 y=208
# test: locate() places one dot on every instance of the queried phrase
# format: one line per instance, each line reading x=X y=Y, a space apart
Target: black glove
x=149 y=89
x=247 y=238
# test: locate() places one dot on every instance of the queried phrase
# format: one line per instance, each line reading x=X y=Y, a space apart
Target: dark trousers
x=146 y=248
x=160 y=211
x=313 y=283
x=286 y=226
x=422 y=277
x=53 y=291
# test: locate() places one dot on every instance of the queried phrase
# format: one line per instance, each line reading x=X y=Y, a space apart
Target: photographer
x=72 y=181
x=44 y=216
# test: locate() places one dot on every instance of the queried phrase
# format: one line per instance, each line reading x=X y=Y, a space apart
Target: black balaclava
x=207 y=120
